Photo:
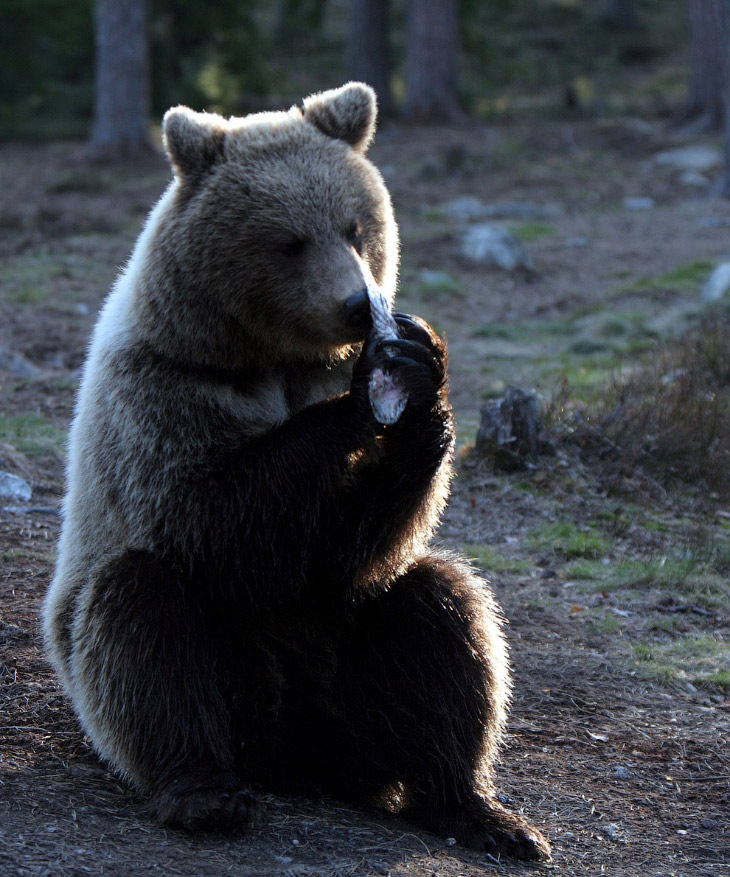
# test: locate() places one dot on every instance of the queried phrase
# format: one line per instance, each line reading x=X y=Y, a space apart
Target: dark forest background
x=241 y=55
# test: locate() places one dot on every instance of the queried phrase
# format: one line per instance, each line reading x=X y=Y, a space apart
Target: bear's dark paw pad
x=218 y=809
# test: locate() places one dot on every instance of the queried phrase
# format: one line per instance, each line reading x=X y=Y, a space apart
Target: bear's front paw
x=413 y=328
x=413 y=368
x=224 y=807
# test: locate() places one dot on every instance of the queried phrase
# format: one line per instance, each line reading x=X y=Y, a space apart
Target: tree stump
x=510 y=431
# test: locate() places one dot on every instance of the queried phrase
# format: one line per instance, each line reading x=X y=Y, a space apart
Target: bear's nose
x=355 y=313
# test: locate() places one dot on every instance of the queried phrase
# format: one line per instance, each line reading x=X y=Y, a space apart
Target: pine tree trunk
x=619 y=14
x=724 y=185
x=368 y=48
x=432 y=61
x=121 y=108
x=710 y=25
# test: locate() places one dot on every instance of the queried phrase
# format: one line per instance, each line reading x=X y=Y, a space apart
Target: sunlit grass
x=568 y=540
x=491 y=560
x=32 y=434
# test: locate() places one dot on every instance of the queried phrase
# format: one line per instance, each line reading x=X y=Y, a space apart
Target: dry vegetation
x=669 y=417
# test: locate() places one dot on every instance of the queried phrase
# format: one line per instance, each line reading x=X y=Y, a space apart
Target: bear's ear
x=193 y=141
x=347 y=113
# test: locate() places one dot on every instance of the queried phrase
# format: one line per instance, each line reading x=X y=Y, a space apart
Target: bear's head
x=274 y=221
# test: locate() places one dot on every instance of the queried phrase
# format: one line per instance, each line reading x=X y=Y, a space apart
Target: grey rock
x=717 y=284
x=435 y=279
x=614 y=832
x=495 y=247
x=18 y=365
x=12 y=487
x=638 y=203
x=465 y=209
x=575 y=243
x=714 y=222
x=621 y=772
x=690 y=158
x=524 y=210
x=694 y=179
x=468 y=208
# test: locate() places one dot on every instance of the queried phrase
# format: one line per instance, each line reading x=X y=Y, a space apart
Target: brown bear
x=245 y=596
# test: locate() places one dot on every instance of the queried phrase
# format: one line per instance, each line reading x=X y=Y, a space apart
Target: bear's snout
x=355 y=313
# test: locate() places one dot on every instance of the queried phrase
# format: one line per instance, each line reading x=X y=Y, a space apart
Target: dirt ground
x=626 y=772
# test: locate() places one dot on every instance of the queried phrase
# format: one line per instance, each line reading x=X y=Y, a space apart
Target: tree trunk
x=724 y=184
x=709 y=22
x=121 y=106
x=368 y=48
x=432 y=61
x=619 y=14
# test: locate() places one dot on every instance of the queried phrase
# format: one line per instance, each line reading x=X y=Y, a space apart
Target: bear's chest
x=302 y=387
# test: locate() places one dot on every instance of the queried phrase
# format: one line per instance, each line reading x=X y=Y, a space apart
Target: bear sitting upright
x=244 y=595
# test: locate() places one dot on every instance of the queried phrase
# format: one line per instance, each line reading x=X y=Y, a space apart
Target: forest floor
x=616 y=594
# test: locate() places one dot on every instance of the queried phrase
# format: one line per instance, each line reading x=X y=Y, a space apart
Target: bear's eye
x=293 y=248
x=354 y=236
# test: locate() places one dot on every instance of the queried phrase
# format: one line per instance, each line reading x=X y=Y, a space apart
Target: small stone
x=435 y=279
x=621 y=772
x=690 y=158
x=12 y=487
x=524 y=210
x=709 y=823
x=468 y=208
x=717 y=284
x=450 y=841
x=465 y=209
x=496 y=247
x=638 y=203
x=614 y=832
x=18 y=365
x=694 y=179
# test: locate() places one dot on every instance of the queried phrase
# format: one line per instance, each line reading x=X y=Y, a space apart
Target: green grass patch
x=567 y=540
x=680 y=279
x=32 y=434
x=702 y=659
x=655 y=526
x=586 y=570
x=86 y=180
x=585 y=376
x=29 y=295
x=683 y=579
x=532 y=231
x=434 y=285
x=491 y=560
x=526 y=330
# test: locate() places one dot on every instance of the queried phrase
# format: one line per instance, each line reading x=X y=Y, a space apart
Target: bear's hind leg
x=145 y=684
x=424 y=689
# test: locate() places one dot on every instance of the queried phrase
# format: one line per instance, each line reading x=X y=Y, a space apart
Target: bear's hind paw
x=490 y=828
x=209 y=808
